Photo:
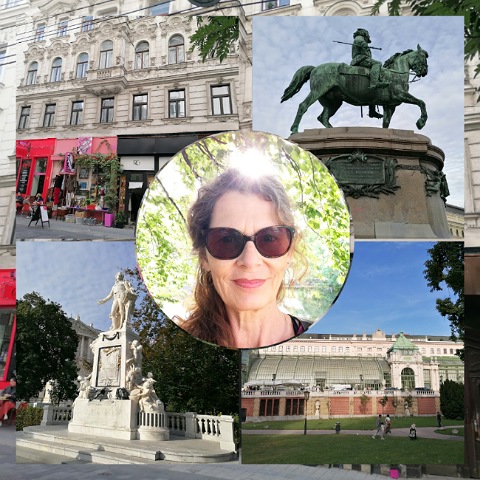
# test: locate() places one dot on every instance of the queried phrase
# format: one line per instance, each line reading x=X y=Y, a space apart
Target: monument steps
x=63 y=445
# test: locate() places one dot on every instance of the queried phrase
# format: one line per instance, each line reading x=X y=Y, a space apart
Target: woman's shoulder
x=300 y=326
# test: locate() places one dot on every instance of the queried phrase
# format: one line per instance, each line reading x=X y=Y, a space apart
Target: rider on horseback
x=362 y=56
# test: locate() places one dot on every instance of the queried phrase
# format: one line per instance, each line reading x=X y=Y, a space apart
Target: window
x=324 y=349
x=176 y=50
x=49 y=115
x=302 y=349
x=106 y=54
x=444 y=351
x=451 y=351
x=11 y=3
x=269 y=4
x=24 y=115
x=62 y=28
x=56 y=73
x=309 y=348
x=340 y=349
x=87 y=23
x=334 y=349
x=77 y=112
x=287 y=349
x=439 y=351
x=221 y=100
x=294 y=406
x=140 y=103
x=158 y=8
x=40 y=33
x=295 y=348
x=82 y=66
x=423 y=350
x=32 y=74
x=141 y=55
x=347 y=349
x=3 y=54
x=432 y=350
x=106 y=111
x=176 y=103
x=269 y=407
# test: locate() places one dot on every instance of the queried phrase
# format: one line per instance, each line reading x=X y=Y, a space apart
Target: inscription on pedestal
x=109 y=362
x=356 y=173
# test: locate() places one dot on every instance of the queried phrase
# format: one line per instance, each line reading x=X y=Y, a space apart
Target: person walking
x=380 y=428
x=439 y=420
x=388 y=425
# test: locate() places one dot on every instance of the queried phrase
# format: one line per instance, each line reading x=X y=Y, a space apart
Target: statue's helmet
x=363 y=33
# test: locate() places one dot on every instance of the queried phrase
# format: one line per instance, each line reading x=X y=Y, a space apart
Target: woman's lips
x=245 y=283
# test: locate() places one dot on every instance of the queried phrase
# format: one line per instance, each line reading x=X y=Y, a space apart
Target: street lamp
x=361 y=382
x=307 y=396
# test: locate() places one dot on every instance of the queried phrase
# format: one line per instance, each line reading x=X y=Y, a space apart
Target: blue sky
x=386 y=289
x=73 y=274
x=281 y=45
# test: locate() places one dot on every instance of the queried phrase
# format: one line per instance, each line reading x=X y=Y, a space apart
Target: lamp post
x=361 y=382
x=307 y=396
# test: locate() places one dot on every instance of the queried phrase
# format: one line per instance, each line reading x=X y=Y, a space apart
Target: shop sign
x=24 y=174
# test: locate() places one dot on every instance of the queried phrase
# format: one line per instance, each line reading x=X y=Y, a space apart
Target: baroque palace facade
x=338 y=370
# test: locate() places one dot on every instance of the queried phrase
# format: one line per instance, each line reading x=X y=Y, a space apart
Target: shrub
x=452 y=400
x=28 y=416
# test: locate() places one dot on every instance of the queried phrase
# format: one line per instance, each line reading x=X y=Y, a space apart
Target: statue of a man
x=362 y=56
x=123 y=298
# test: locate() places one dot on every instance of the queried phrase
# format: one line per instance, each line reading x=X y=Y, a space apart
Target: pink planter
x=109 y=219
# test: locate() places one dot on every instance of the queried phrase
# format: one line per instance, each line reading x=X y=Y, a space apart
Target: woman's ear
x=204 y=262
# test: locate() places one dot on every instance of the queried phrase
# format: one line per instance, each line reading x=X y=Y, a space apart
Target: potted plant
x=120 y=220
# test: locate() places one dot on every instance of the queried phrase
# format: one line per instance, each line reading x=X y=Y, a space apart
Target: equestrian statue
x=362 y=83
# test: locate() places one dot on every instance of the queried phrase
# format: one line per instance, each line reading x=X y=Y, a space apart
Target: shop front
x=141 y=158
x=7 y=326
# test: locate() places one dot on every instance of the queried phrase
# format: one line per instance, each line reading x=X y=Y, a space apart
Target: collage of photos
x=245 y=241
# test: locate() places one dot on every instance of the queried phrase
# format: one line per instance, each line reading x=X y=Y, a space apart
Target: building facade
x=338 y=370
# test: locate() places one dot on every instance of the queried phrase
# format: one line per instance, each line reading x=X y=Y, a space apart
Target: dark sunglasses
x=228 y=243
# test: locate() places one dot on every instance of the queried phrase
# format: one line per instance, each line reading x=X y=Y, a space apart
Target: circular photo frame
x=243 y=239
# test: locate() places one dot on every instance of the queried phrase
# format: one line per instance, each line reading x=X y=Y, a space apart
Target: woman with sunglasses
x=243 y=232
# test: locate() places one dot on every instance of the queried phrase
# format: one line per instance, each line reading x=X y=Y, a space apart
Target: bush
x=28 y=416
x=452 y=400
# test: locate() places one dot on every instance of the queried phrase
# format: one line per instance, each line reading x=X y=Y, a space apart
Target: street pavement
x=61 y=230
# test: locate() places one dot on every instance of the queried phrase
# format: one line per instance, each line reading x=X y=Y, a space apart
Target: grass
x=359 y=449
x=363 y=423
x=449 y=431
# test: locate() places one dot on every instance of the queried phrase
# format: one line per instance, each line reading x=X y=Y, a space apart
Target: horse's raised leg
x=329 y=110
x=408 y=98
x=388 y=111
x=302 y=108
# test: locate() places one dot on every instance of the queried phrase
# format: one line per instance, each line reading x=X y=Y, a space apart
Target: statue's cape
x=346 y=69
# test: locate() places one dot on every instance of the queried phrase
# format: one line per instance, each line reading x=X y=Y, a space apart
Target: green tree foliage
x=191 y=376
x=215 y=36
x=47 y=345
x=465 y=8
x=445 y=270
x=452 y=400
x=163 y=246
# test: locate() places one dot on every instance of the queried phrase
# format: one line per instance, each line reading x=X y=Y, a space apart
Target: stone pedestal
x=105 y=418
x=392 y=179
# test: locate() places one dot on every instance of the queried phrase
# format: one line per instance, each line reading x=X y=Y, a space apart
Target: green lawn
x=367 y=423
x=360 y=449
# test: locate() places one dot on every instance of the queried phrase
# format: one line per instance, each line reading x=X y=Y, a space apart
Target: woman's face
x=249 y=282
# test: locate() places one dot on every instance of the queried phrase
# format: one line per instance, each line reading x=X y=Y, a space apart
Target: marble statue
x=123 y=302
x=148 y=400
x=136 y=358
x=84 y=389
x=48 y=390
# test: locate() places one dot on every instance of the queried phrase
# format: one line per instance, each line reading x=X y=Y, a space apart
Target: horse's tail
x=298 y=80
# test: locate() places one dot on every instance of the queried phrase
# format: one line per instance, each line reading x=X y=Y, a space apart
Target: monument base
x=392 y=179
x=105 y=418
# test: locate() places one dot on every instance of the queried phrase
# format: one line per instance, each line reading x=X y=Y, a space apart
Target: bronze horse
x=334 y=83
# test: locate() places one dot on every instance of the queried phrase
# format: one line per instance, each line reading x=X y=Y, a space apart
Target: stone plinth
x=105 y=418
x=392 y=179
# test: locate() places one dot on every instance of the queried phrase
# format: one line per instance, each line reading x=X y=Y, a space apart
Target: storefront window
x=6 y=328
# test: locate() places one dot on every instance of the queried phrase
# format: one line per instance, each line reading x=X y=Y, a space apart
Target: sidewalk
x=425 y=432
x=61 y=230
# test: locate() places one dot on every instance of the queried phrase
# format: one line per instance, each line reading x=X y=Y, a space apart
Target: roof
x=402 y=343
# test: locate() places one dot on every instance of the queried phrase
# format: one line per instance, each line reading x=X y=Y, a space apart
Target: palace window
x=141 y=55
x=77 y=112
x=82 y=65
x=269 y=4
x=87 y=23
x=221 y=100
x=49 y=115
x=294 y=406
x=106 y=54
x=324 y=349
x=269 y=407
x=56 y=73
x=176 y=103
x=24 y=116
x=176 y=49
x=157 y=8
x=62 y=28
x=40 y=33
x=106 y=110
x=140 y=104
x=32 y=74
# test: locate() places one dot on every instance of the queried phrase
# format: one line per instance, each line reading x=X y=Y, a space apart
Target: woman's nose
x=250 y=255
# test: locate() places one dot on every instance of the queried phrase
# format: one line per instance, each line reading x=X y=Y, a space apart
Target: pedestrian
x=439 y=420
x=380 y=428
x=388 y=425
x=413 y=432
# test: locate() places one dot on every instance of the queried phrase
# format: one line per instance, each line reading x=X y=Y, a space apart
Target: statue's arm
x=107 y=298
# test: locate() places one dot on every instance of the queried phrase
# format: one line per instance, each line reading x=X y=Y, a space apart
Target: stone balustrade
x=56 y=415
x=330 y=393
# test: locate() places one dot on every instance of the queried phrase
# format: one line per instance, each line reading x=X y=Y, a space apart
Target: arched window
x=176 y=49
x=32 y=73
x=82 y=65
x=106 y=54
x=141 y=55
x=56 y=73
x=408 y=379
